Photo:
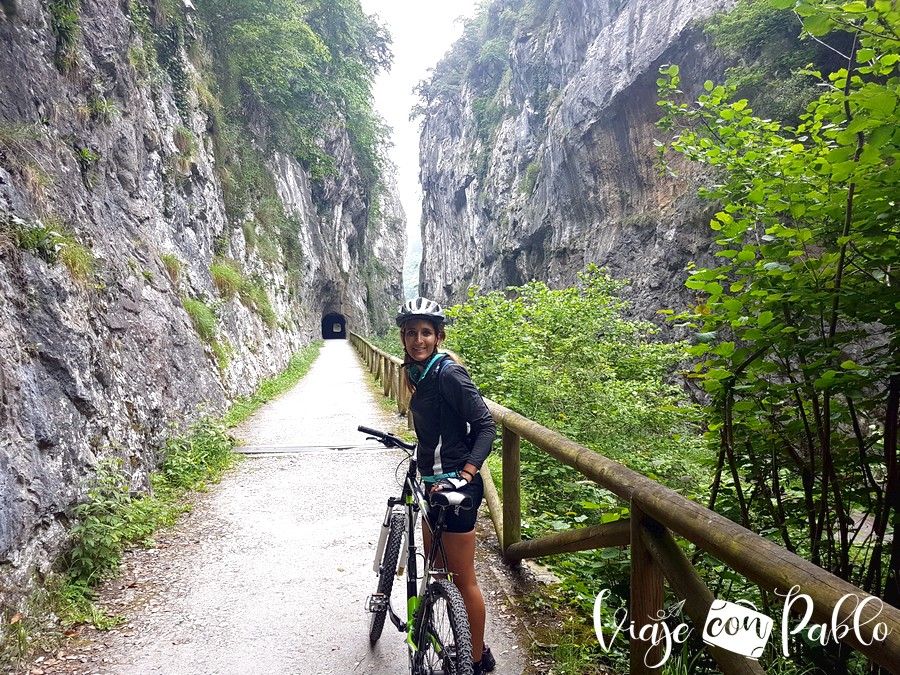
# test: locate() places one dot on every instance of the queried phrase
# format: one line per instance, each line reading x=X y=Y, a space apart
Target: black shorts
x=459 y=520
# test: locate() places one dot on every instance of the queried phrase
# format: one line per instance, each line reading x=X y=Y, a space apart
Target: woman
x=455 y=431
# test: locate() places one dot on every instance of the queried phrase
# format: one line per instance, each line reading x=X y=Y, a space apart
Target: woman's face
x=420 y=339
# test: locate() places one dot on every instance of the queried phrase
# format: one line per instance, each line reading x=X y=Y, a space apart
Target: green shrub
x=203 y=318
x=570 y=360
x=389 y=343
x=36 y=237
x=106 y=522
x=197 y=458
x=54 y=243
x=102 y=109
x=227 y=277
x=111 y=518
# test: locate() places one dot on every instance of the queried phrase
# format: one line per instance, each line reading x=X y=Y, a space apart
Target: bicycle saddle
x=448 y=498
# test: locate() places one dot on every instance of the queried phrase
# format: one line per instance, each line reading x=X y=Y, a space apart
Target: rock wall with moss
x=157 y=259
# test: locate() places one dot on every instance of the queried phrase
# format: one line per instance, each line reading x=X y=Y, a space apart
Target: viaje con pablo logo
x=738 y=627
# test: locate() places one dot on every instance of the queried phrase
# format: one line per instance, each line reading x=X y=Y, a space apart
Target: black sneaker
x=487 y=660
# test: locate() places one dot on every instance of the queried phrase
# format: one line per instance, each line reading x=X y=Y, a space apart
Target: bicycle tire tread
x=386 y=573
x=459 y=620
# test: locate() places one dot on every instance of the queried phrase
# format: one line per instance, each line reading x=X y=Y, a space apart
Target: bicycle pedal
x=376 y=602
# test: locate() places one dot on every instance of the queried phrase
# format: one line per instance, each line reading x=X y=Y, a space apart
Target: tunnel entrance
x=334 y=326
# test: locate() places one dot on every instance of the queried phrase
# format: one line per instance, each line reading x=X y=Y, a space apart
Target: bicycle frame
x=413 y=500
x=424 y=644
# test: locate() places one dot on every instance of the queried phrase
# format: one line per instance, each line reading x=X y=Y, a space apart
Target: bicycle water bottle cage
x=450 y=498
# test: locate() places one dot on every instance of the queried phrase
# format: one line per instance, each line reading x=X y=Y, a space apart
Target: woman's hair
x=408 y=361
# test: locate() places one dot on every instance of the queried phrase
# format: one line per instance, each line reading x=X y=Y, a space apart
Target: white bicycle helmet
x=420 y=308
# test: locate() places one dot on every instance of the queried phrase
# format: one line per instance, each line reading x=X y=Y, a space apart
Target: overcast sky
x=422 y=32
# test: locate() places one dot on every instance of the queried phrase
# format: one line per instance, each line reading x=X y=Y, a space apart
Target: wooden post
x=402 y=394
x=391 y=380
x=385 y=375
x=646 y=597
x=688 y=586
x=512 y=498
x=495 y=508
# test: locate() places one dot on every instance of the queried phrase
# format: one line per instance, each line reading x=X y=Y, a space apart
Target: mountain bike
x=437 y=627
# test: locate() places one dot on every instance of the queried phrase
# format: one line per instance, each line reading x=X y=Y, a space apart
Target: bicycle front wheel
x=445 y=640
x=386 y=573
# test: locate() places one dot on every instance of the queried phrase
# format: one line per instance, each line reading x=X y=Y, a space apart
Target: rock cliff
x=542 y=160
x=112 y=215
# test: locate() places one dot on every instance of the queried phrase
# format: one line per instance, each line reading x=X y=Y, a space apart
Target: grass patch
x=99 y=109
x=297 y=367
x=203 y=318
x=230 y=281
x=173 y=266
x=186 y=143
x=254 y=296
x=54 y=243
x=223 y=351
x=65 y=23
x=78 y=259
x=227 y=277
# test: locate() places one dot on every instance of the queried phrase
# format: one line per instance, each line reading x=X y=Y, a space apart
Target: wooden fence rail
x=656 y=512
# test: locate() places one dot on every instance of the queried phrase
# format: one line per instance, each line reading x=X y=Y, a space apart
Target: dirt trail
x=270 y=571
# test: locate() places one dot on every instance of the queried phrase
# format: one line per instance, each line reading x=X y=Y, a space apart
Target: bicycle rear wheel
x=445 y=640
x=386 y=573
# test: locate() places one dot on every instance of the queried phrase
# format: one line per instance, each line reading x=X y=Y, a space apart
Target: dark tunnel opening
x=334 y=326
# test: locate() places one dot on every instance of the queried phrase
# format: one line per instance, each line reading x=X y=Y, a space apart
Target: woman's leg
x=460 y=547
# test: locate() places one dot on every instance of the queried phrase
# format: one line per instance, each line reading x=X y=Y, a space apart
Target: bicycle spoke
x=445 y=643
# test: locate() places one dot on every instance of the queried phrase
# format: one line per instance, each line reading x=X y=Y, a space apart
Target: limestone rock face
x=570 y=175
x=103 y=363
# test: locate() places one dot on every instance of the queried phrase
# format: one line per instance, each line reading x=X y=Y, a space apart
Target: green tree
x=571 y=361
x=769 y=52
x=797 y=329
x=302 y=67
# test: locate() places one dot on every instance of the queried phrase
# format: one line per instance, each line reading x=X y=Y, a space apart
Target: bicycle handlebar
x=386 y=439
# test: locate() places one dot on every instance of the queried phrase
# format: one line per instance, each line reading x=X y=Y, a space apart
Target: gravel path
x=270 y=571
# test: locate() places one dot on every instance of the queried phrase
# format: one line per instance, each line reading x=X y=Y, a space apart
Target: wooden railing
x=656 y=513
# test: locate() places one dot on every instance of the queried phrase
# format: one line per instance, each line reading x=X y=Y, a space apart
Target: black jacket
x=445 y=423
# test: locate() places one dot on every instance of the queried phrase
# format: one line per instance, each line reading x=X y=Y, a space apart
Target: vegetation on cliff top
x=303 y=67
